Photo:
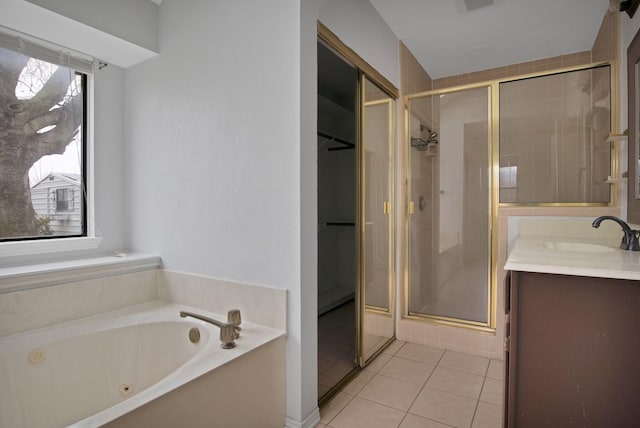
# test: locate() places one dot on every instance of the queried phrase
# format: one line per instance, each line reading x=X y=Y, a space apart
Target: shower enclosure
x=535 y=140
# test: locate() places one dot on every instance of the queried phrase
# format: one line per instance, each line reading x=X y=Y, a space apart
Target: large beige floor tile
x=333 y=407
x=456 y=382
x=444 y=407
x=361 y=413
x=413 y=421
x=408 y=370
x=496 y=370
x=487 y=416
x=358 y=382
x=492 y=392
x=421 y=353
x=390 y=392
x=378 y=362
x=465 y=363
x=393 y=348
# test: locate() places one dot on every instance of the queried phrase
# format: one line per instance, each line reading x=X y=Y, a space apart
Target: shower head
x=432 y=135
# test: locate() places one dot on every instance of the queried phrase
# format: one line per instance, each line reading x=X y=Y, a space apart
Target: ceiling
x=447 y=39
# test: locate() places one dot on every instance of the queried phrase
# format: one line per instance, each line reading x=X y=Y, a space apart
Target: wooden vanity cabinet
x=572 y=351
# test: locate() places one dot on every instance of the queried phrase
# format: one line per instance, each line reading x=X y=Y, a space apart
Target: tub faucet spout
x=629 y=239
x=227 y=330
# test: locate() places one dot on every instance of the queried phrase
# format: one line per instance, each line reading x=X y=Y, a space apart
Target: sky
x=67 y=162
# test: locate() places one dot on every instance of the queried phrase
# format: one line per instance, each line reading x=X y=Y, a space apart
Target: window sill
x=41 y=275
x=23 y=248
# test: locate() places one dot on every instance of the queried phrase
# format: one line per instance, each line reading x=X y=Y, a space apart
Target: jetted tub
x=139 y=367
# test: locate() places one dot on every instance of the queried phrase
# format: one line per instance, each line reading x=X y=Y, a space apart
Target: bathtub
x=139 y=367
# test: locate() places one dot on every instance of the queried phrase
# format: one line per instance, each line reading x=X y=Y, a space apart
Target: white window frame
x=61 y=245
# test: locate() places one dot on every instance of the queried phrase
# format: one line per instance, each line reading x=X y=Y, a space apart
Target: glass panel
x=377 y=137
x=449 y=189
x=41 y=148
x=552 y=138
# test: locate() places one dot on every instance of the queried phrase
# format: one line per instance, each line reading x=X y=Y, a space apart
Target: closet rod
x=340 y=223
x=336 y=139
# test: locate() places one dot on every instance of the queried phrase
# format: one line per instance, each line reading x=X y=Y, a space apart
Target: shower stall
x=535 y=140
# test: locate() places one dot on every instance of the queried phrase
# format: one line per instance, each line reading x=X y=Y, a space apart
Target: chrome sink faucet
x=629 y=239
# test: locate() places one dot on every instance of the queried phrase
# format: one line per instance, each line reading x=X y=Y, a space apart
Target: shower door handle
x=411 y=207
x=386 y=207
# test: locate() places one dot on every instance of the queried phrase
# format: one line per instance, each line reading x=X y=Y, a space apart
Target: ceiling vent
x=477 y=4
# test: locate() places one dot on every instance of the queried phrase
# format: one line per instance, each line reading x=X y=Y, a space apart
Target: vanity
x=572 y=334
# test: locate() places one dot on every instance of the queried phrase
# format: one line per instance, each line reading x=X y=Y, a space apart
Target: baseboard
x=310 y=421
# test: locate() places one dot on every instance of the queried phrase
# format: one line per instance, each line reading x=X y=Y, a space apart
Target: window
x=64 y=199
x=43 y=118
x=553 y=138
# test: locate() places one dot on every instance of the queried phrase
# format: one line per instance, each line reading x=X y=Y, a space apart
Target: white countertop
x=549 y=255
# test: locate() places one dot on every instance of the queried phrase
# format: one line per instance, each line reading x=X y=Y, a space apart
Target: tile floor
x=416 y=386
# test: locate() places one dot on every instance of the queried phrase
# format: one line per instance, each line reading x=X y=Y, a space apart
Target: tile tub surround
x=46 y=305
x=258 y=304
x=41 y=307
x=412 y=385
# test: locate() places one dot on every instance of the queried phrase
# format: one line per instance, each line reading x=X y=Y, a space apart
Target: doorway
x=356 y=136
x=337 y=308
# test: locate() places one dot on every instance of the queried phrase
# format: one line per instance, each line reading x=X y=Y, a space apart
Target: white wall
x=132 y=20
x=213 y=141
x=213 y=157
x=109 y=180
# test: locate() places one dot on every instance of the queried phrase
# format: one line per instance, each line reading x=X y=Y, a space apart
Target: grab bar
x=227 y=330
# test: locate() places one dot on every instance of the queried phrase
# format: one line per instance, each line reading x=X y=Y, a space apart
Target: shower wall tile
x=413 y=78
x=261 y=305
x=40 y=307
x=452 y=338
x=545 y=64
x=526 y=67
x=605 y=45
x=439 y=84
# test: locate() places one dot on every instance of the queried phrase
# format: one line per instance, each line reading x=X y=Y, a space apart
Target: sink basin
x=576 y=247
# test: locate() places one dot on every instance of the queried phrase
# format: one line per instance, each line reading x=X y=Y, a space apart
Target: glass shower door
x=449 y=208
x=377 y=276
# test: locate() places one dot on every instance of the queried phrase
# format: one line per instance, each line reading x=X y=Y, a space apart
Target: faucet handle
x=634 y=243
x=234 y=318
x=227 y=336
